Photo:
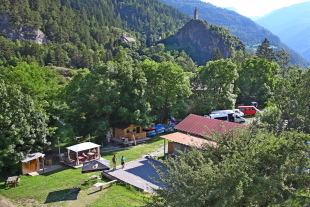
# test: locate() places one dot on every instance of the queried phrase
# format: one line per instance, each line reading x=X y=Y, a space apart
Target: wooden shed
x=129 y=131
x=31 y=163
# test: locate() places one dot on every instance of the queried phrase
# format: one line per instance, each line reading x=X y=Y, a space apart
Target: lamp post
x=43 y=162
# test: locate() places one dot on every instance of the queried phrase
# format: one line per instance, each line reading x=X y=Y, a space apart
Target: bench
x=103 y=184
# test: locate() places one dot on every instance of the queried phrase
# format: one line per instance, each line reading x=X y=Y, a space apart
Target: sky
x=253 y=8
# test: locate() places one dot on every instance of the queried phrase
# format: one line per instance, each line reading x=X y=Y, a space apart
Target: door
x=170 y=147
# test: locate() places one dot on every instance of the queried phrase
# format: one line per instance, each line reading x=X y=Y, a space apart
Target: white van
x=235 y=111
x=222 y=112
x=238 y=112
x=232 y=117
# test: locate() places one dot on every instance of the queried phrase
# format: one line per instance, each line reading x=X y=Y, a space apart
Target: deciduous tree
x=23 y=127
x=248 y=168
x=213 y=87
x=257 y=79
x=167 y=83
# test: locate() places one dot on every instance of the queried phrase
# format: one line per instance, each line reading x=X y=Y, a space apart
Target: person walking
x=123 y=161
x=114 y=160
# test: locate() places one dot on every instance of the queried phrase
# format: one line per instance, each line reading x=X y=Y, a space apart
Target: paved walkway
x=139 y=173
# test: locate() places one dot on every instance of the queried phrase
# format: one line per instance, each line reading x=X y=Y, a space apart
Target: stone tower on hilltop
x=195 y=13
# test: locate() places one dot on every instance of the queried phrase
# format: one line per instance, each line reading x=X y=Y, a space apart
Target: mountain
x=62 y=19
x=244 y=28
x=231 y=8
x=255 y=18
x=79 y=33
x=292 y=25
x=200 y=40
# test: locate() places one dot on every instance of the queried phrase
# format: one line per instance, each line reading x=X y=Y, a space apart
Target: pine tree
x=217 y=55
x=265 y=51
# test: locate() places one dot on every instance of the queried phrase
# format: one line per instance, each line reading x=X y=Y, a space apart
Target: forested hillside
x=292 y=25
x=81 y=33
x=244 y=28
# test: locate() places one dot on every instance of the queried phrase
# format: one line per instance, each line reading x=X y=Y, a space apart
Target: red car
x=248 y=110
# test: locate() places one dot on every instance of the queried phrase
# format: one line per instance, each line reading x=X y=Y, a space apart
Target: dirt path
x=5 y=203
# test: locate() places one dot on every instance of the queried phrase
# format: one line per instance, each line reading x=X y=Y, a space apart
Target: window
x=221 y=118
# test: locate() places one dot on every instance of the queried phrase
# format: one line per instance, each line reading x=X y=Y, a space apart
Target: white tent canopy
x=83 y=146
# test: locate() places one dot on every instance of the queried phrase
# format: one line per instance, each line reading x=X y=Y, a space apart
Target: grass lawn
x=69 y=187
x=248 y=119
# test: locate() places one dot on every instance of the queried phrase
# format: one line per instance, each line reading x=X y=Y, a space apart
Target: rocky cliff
x=20 y=33
x=200 y=40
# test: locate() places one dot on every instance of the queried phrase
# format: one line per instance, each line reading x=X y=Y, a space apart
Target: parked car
x=254 y=103
x=222 y=112
x=232 y=117
x=230 y=111
x=238 y=112
x=248 y=110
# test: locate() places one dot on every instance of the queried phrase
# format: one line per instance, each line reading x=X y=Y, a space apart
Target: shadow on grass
x=62 y=195
x=5 y=187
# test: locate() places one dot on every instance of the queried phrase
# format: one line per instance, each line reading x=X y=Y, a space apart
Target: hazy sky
x=251 y=8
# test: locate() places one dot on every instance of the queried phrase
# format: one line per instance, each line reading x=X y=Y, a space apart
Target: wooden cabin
x=129 y=131
x=31 y=163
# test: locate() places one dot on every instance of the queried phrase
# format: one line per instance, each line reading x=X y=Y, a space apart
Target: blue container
x=150 y=133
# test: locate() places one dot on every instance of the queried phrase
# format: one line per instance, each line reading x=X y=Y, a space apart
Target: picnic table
x=91 y=155
x=12 y=181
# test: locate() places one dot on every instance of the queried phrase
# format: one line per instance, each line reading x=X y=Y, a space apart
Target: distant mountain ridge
x=292 y=25
x=244 y=28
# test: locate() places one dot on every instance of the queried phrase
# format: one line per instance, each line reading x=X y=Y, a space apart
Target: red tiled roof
x=200 y=125
x=187 y=139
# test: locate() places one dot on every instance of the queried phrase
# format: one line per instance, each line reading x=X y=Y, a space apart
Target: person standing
x=114 y=160
x=123 y=161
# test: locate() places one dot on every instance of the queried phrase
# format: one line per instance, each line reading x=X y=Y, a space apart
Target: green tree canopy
x=283 y=59
x=213 y=86
x=217 y=55
x=111 y=94
x=246 y=168
x=291 y=100
x=257 y=79
x=23 y=127
x=167 y=84
x=265 y=51
x=40 y=83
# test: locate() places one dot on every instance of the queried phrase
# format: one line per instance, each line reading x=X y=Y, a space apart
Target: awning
x=95 y=165
x=186 y=139
x=33 y=156
x=83 y=146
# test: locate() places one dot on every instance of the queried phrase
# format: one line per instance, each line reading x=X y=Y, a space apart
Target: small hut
x=31 y=163
x=129 y=131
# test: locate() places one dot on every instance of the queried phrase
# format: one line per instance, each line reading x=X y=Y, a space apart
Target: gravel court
x=139 y=173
